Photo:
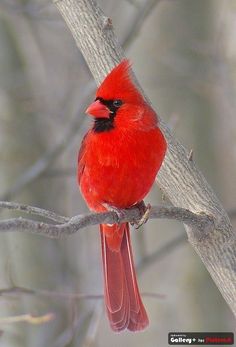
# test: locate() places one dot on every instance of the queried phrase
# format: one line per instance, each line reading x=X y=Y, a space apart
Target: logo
x=178 y=338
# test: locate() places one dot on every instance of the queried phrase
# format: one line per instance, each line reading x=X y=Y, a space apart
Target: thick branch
x=179 y=178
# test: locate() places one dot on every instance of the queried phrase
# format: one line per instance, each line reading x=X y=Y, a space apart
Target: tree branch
x=202 y=223
x=179 y=178
x=33 y=210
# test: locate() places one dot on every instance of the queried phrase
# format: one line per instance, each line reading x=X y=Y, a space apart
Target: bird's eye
x=117 y=103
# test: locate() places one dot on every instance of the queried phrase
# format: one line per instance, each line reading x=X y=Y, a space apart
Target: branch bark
x=67 y=226
x=179 y=177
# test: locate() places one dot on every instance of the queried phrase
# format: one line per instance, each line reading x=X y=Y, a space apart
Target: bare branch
x=200 y=222
x=33 y=210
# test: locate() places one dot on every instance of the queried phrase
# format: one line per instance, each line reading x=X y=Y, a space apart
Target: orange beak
x=98 y=110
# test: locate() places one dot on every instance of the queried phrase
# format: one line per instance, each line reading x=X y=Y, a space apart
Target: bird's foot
x=144 y=211
x=118 y=213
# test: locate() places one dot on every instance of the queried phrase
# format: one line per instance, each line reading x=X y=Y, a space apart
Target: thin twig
x=34 y=210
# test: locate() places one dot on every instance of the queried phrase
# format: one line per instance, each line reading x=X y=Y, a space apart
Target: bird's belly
x=122 y=172
x=121 y=186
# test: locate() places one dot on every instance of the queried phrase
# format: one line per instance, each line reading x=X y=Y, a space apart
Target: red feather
x=117 y=165
x=119 y=85
x=124 y=306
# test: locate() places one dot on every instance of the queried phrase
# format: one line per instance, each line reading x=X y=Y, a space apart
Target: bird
x=118 y=161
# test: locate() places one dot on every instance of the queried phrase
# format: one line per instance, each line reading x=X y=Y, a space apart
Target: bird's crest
x=118 y=84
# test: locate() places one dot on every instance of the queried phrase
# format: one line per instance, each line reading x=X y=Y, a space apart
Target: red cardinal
x=117 y=165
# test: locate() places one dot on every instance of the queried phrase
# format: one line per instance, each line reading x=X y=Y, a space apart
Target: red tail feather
x=123 y=302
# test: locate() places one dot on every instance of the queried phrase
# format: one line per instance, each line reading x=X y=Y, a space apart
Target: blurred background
x=184 y=55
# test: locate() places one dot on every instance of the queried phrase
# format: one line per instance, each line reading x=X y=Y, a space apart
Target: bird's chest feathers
x=114 y=148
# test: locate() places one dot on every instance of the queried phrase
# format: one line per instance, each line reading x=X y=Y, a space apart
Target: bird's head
x=118 y=101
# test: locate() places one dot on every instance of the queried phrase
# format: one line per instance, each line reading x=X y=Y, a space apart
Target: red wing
x=81 y=159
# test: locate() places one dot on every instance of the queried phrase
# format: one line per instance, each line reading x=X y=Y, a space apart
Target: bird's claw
x=145 y=211
x=118 y=213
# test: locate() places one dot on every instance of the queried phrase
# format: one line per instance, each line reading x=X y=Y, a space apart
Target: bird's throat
x=103 y=124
